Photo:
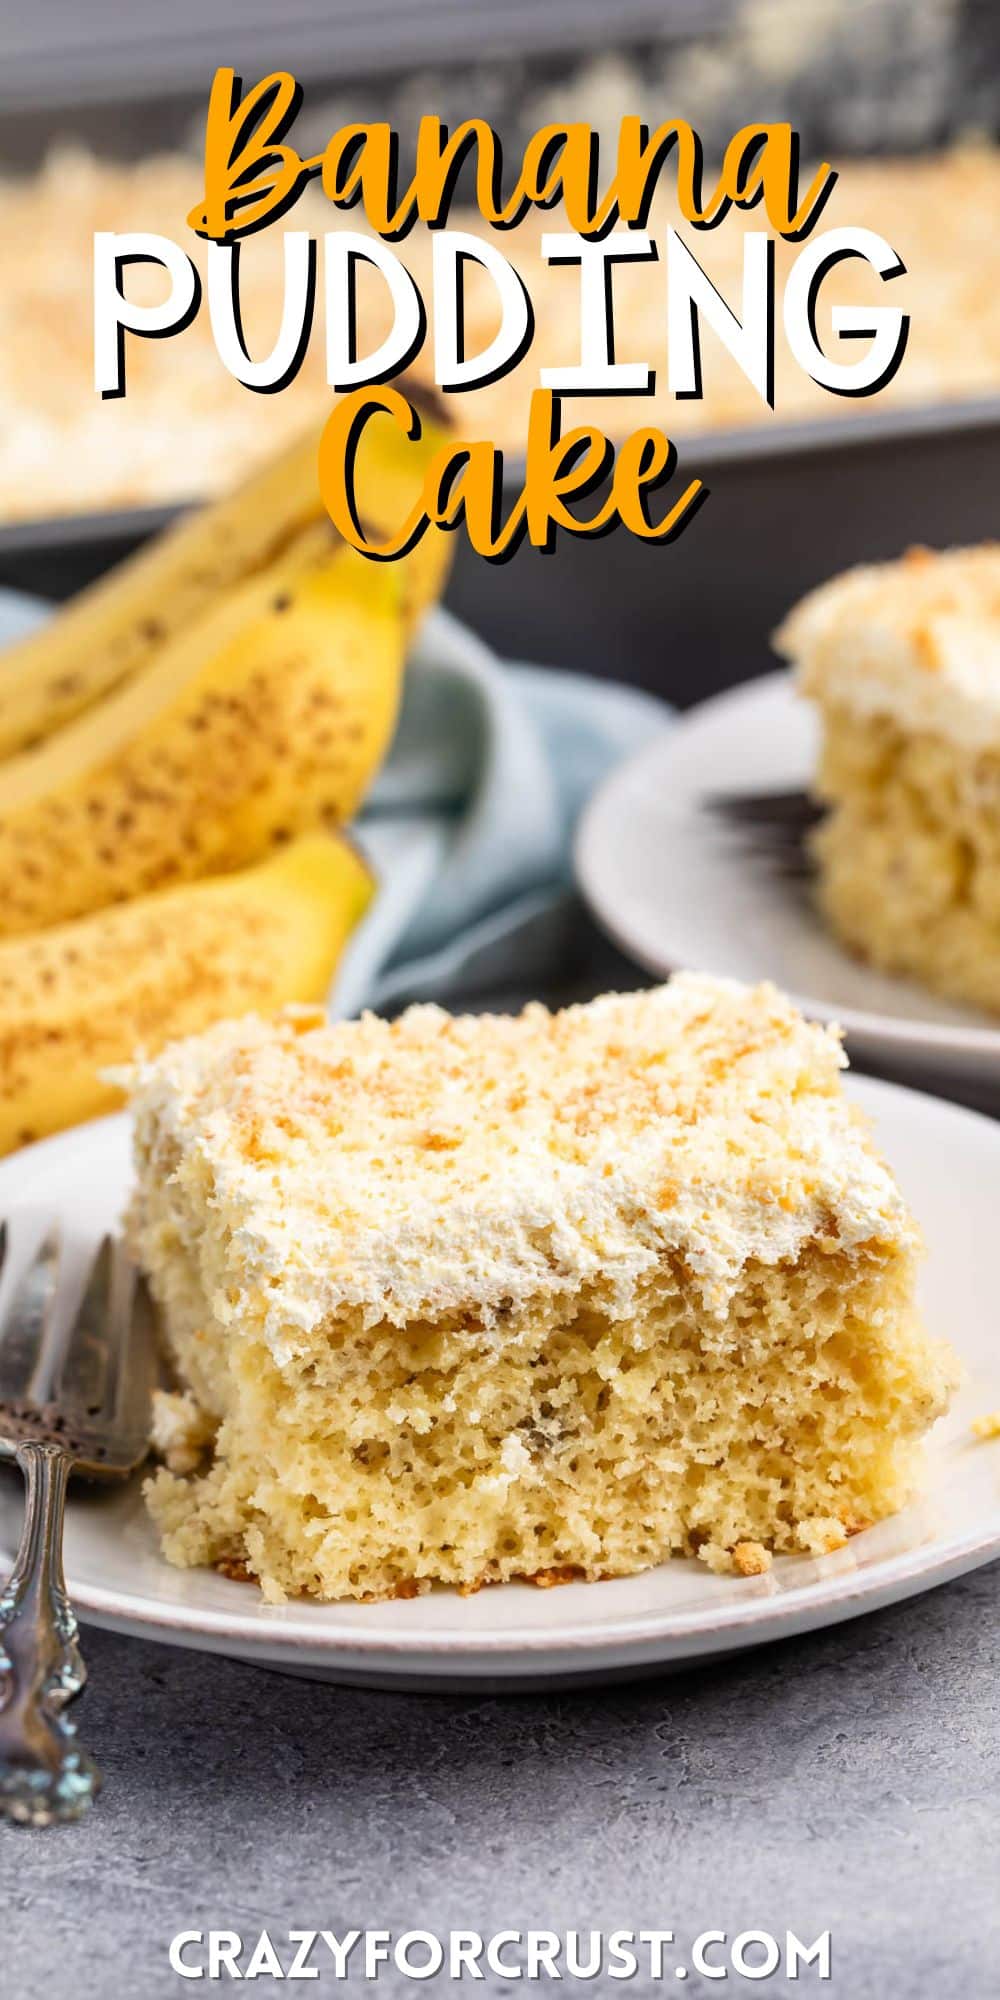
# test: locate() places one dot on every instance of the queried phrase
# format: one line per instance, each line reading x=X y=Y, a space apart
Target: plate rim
x=653 y=1634
x=562 y=1650
x=889 y=1032
x=769 y=1617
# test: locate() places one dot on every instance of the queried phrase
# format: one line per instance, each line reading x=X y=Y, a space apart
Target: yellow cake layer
x=909 y=855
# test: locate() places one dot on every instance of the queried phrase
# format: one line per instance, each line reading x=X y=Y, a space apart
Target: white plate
x=949 y=1165
x=677 y=888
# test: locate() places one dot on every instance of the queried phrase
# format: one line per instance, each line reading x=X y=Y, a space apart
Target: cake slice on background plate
x=903 y=660
x=543 y=1296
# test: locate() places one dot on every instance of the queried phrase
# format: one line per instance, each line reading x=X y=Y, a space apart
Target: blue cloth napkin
x=470 y=823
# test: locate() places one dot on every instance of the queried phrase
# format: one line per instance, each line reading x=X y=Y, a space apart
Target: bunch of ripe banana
x=179 y=749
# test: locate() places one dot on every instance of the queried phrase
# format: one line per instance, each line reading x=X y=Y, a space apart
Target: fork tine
x=769 y=853
x=757 y=837
x=138 y=1351
x=792 y=809
x=781 y=854
x=84 y=1384
x=26 y=1321
x=793 y=869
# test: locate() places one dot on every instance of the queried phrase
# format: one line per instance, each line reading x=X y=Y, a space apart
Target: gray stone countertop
x=845 y=1781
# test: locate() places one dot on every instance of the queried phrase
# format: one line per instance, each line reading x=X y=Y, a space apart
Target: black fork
x=774 y=825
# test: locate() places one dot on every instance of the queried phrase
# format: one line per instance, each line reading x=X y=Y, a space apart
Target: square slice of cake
x=903 y=660
x=552 y=1295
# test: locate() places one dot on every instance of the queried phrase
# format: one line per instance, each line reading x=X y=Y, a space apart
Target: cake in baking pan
x=62 y=451
x=457 y=1300
x=903 y=660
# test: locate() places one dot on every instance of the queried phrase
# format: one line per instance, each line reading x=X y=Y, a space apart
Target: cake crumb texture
x=903 y=660
x=987 y=1426
x=474 y=1299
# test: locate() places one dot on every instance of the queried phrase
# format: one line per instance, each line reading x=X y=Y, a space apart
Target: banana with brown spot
x=85 y=996
x=266 y=718
x=122 y=624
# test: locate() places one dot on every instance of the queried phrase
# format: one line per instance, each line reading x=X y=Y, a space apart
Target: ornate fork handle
x=44 y=1775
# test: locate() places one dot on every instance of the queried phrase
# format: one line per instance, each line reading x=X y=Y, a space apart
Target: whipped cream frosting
x=438 y=1164
x=917 y=640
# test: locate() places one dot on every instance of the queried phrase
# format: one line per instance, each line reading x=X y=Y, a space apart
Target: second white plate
x=677 y=887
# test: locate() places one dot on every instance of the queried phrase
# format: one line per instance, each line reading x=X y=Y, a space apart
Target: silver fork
x=74 y=1396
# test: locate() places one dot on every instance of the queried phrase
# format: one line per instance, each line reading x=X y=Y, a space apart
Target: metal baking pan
x=788 y=506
